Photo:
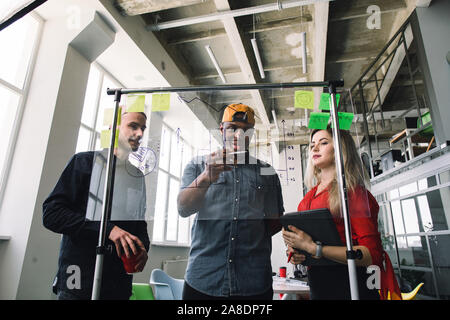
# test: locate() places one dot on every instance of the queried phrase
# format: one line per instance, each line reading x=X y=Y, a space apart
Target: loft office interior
x=392 y=55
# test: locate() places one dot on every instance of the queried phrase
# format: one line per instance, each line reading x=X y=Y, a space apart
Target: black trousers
x=190 y=293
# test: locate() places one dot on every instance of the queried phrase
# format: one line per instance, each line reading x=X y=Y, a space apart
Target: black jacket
x=64 y=212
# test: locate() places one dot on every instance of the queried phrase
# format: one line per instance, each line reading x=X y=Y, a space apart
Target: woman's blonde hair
x=355 y=172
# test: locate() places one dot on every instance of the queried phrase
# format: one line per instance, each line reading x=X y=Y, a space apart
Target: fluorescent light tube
x=304 y=52
x=258 y=58
x=214 y=61
x=275 y=119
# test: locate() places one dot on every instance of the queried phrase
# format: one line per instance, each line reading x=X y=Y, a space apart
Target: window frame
x=93 y=134
x=23 y=97
x=170 y=175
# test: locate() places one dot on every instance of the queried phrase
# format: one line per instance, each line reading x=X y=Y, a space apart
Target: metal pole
x=251 y=86
x=340 y=175
x=107 y=201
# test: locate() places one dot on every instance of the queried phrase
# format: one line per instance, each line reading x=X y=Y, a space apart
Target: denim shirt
x=231 y=238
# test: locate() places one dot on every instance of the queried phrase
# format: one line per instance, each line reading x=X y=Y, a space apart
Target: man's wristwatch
x=319 y=247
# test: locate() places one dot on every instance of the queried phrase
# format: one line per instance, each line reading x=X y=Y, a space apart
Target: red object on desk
x=290 y=256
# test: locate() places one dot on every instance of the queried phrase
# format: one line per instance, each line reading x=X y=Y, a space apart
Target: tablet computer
x=319 y=224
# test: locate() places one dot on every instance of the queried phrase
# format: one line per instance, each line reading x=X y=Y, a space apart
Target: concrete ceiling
x=338 y=41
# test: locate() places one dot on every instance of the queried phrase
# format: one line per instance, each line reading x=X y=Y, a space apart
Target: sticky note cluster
x=325 y=101
x=319 y=120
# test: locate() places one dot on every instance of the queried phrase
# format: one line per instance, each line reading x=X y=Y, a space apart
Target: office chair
x=165 y=287
x=142 y=291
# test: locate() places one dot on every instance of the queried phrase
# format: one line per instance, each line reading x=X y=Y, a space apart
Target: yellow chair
x=409 y=295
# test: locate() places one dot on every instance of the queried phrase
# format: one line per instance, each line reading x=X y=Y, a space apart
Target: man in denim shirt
x=237 y=208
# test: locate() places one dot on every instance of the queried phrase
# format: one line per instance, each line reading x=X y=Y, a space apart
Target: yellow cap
x=239 y=112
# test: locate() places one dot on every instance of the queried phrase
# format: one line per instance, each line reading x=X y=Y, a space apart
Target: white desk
x=290 y=286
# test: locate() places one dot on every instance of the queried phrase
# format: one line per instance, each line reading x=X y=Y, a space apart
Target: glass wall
x=414 y=225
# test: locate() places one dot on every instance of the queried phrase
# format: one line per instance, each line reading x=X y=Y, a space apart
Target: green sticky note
x=105 y=138
x=160 y=102
x=318 y=120
x=109 y=114
x=325 y=101
x=136 y=103
x=304 y=99
x=345 y=120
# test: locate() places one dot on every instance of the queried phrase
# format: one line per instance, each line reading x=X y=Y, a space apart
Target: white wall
x=432 y=27
x=292 y=195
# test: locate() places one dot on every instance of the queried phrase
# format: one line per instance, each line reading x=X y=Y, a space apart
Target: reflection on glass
x=160 y=207
x=172 y=211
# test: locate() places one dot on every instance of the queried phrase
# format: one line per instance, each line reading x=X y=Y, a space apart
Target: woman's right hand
x=297 y=258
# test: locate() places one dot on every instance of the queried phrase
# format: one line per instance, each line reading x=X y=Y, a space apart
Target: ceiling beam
x=320 y=46
x=138 y=7
x=260 y=27
x=230 y=14
x=363 y=15
x=294 y=64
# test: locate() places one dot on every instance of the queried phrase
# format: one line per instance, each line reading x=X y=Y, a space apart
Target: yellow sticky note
x=160 y=102
x=304 y=99
x=109 y=114
x=105 y=138
x=136 y=103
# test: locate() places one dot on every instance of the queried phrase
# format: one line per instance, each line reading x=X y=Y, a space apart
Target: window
x=169 y=228
x=418 y=242
x=19 y=42
x=95 y=102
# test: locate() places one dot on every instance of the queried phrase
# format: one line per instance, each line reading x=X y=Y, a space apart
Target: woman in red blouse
x=331 y=282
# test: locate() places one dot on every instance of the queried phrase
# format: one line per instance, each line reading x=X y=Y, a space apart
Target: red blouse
x=363 y=212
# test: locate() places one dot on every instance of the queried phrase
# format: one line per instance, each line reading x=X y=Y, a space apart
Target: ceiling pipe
x=216 y=64
x=231 y=14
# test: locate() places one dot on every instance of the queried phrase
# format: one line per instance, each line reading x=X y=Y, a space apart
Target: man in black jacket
x=73 y=209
